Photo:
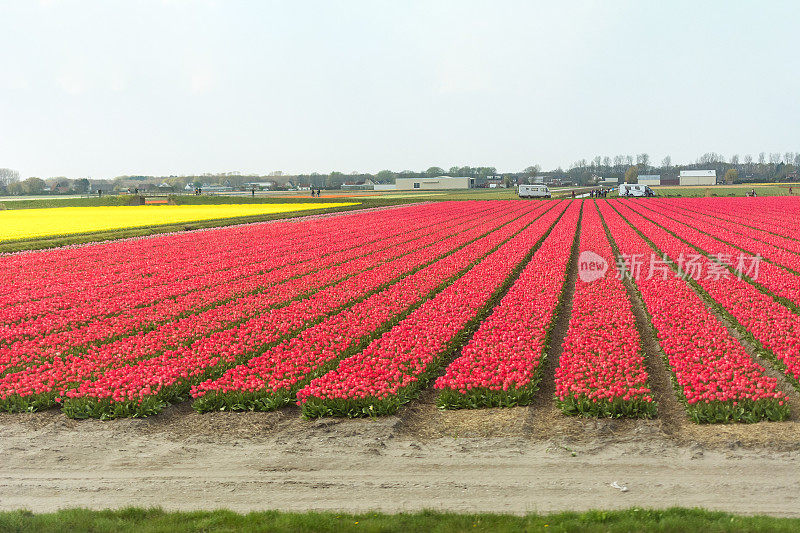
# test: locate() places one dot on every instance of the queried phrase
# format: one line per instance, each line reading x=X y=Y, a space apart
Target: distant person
x=573 y=194
x=253 y=192
x=790 y=190
x=753 y=192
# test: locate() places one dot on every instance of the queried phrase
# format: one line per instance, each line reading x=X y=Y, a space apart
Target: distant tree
x=735 y=159
x=797 y=159
x=596 y=161
x=8 y=176
x=606 y=161
x=643 y=161
x=788 y=158
x=774 y=158
x=631 y=174
x=629 y=160
x=533 y=170
x=33 y=186
x=762 y=158
x=385 y=175
x=619 y=160
x=731 y=176
x=81 y=185
x=15 y=188
x=434 y=171
x=666 y=162
x=748 y=160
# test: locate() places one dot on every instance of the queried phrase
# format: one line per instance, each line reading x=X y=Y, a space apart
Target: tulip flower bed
x=759 y=317
x=273 y=378
x=500 y=366
x=601 y=371
x=37 y=384
x=33 y=223
x=284 y=283
x=354 y=314
x=147 y=385
x=714 y=376
x=395 y=367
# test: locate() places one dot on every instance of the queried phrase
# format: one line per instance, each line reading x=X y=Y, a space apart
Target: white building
x=650 y=179
x=441 y=182
x=698 y=177
x=609 y=181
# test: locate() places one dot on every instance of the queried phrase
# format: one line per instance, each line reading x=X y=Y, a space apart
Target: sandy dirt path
x=258 y=461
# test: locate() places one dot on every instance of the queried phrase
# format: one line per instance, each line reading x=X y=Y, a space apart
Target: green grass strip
x=156 y=520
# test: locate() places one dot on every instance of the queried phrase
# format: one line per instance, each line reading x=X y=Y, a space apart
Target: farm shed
x=440 y=182
x=650 y=179
x=698 y=177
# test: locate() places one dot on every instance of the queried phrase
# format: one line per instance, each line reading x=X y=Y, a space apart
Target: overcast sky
x=107 y=88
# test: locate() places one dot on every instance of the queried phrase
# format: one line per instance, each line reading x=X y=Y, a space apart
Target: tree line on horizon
x=765 y=167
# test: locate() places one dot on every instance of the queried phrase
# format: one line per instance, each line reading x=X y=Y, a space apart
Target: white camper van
x=627 y=189
x=533 y=191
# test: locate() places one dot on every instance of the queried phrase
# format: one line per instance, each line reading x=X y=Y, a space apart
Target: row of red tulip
x=146 y=385
x=172 y=285
x=214 y=309
x=271 y=379
x=713 y=373
x=772 y=325
x=500 y=365
x=601 y=370
x=392 y=369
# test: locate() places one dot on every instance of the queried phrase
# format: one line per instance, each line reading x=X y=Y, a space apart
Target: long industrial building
x=698 y=177
x=441 y=182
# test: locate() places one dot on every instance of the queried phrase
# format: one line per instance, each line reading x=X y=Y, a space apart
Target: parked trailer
x=533 y=191
x=627 y=189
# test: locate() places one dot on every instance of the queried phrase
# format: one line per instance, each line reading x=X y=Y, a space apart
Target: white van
x=628 y=189
x=533 y=191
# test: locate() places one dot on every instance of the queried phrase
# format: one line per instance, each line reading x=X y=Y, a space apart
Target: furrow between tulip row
x=501 y=365
x=712 y=373
x=601 y=370
x=393 y=368
x=273 y=378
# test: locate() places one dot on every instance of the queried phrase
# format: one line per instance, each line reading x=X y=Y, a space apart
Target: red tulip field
x=358 y=314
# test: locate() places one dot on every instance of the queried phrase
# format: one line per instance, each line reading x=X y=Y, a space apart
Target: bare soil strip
x=182 y=460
